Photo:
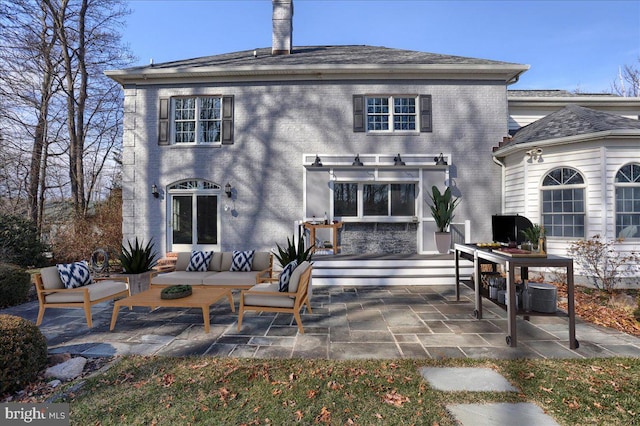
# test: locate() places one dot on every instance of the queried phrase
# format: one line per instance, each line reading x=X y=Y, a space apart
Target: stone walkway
x=346 y=323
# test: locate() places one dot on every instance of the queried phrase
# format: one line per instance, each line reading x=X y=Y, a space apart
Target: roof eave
x=505 y=72
x=528 y=101
x=512 y=148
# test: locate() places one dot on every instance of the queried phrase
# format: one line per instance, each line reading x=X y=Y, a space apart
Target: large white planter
x=139 y=282
x=443 y=241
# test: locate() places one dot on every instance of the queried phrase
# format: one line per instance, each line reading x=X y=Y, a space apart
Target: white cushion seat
x=181 y=277
x=98 y=290
x=254 y=298
x=230 y=279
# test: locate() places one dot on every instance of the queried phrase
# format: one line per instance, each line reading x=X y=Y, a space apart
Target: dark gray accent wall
x=387 y=238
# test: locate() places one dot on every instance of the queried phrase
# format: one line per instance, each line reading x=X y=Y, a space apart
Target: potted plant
x=533 y=235
x=442 y=207
x=293 y=251
x=137 y=261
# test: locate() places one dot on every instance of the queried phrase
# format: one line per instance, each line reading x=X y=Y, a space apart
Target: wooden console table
x=488 y=256
x=312 y=226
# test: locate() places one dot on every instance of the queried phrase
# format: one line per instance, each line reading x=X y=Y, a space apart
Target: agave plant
x=442 y=207
x=137 y=259
x=293 y=252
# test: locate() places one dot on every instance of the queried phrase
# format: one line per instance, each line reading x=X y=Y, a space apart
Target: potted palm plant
x=293 y=251
x=137 y=262
x=442 y=206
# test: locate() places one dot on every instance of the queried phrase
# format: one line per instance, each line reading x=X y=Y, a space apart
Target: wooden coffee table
x=200 y=298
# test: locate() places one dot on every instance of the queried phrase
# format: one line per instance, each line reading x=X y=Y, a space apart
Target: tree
x=58 y=111
x=628 y=82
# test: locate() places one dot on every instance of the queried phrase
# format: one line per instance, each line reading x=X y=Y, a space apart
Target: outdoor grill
x=507 y=228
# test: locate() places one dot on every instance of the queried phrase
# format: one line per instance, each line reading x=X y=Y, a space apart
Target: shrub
x=20 y=242
x=14 y=285
x=23 y=352
x=74 y=238
x=602 y=263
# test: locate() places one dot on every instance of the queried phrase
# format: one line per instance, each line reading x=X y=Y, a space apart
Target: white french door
x=194 y=221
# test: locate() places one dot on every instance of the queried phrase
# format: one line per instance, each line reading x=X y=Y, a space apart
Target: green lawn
x=220 y=391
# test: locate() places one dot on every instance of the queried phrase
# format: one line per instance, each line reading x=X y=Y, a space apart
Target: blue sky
x=569 y=44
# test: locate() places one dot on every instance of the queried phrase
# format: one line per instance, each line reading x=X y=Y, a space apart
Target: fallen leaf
x=529 y=375
x=549 y=390
x=311 y=394
x=168 y=380
x=324 y=416
x=299 y=415
x=395 y=399
x=378 y=415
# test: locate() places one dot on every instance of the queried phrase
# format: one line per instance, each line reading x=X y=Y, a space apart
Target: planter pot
x=443 y=241
x=138 y=282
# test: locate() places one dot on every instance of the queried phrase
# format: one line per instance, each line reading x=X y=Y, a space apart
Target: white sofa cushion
x=181 y=277
x=252 y=299
x=295 y=276
x=96 y=290
x=230 y=278
x=51 y=278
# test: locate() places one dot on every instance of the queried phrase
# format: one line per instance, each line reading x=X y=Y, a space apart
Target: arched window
x=194 y=215
x=563 y=209
x=627 y=185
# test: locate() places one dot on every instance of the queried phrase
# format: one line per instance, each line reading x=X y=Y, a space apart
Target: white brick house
x=258 y=119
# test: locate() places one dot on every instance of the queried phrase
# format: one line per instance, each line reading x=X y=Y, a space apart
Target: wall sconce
x=534 y=154
x=356 y=161
x=227 y=189
x=317 y=162
x=439 y=160
x=154 y=191
x=397 y=161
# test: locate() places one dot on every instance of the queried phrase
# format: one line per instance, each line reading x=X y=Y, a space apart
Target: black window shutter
x=163 y=122
x=358 y=113
x=227 y=120
x=425 y=114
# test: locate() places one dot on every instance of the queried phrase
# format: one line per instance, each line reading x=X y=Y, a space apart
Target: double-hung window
x=374 y=200
x=197 y=120
x=563 y=204
x=391 y=114
x=627 y=186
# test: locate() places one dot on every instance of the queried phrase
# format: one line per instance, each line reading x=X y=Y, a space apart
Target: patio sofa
x=218 y=273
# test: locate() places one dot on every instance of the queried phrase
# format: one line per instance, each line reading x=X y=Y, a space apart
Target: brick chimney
x=282 y=27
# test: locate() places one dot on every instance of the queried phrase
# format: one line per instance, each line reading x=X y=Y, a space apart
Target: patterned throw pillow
x=199 y=261
x=285 y=275
x=242 y=261
x=74 y=275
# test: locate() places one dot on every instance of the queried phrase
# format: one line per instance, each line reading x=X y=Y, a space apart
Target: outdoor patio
x=346 y=323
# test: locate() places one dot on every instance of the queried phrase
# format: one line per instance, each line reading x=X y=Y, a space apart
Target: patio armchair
x=265 y=296
x=53 y=294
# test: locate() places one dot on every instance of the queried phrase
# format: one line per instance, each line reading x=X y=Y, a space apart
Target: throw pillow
x=199 y=261
x=242 y=261
x=285 y=275
x=74 y=275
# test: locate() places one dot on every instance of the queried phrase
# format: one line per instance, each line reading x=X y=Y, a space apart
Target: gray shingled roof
x=323 y=55
x=572 y=120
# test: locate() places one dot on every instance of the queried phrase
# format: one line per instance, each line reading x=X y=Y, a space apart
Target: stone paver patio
x=346 y=323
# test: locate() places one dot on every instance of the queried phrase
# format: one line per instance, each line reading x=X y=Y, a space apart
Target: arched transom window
x=563 y=206
x=627 y=185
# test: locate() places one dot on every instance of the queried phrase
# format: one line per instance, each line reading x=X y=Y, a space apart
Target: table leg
x=457 y=260
x=573 y=343
x=114 y=315
x=477 y=284
x=230 y=296
x=512 y=339
x=205 y=318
